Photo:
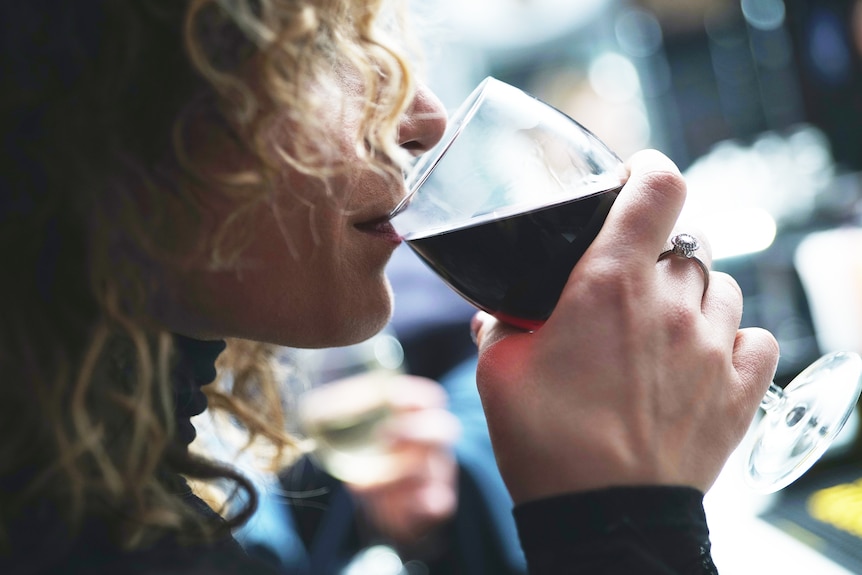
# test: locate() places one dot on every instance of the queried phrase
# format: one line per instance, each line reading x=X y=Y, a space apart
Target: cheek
x=332 y=286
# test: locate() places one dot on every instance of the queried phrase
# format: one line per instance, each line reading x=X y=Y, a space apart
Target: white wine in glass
x=346 y=420
x=347 y=427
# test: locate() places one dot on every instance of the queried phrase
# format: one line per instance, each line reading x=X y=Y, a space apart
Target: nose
x=423 y=123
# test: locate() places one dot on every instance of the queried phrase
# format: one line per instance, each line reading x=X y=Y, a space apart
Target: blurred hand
x=637 y=378
x=423 y=495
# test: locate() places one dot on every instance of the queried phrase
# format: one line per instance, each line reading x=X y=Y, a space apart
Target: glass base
x=801 y=426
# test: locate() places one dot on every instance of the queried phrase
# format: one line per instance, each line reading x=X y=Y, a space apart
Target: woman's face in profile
x=313 y=272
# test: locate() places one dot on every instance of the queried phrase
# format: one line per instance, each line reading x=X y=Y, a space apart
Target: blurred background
x=759 y=102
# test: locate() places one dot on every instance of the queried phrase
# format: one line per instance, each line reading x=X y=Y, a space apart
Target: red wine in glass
x=514 y=267
x=508 y=201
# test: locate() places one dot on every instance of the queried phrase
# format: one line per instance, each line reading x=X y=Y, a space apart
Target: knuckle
x=609 y=279
x=771 y=342
x=733 y=287
x=681 y=320
x=716 y=354
x=609 y=293
x=665 y=182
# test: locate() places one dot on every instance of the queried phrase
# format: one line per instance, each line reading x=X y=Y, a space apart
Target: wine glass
x=507 y=203
x=800 y=421
x=509 y=200
x=345 y=413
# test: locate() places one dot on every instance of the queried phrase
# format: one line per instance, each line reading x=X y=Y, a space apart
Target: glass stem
x=773 y=399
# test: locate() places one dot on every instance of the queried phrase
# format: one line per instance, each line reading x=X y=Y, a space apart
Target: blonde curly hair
x=97 y=115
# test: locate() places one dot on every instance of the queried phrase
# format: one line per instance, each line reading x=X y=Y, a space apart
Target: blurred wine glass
x=348 y=416
x=345 y=412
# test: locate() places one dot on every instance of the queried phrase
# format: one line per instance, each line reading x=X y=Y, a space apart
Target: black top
x=643 y=530
x=617 y=531
x=41 y=544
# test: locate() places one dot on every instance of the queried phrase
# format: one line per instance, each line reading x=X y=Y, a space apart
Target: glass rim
x=456 y=124
x=425 y=165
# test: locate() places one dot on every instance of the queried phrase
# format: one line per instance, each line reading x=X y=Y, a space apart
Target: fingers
x=704 y=248
x=755 y=358
x=405 y=510
x=420 y=416
x=644 y=214
x=425 y=428
x=689 y=277
x=411 y=392
x=722 y=306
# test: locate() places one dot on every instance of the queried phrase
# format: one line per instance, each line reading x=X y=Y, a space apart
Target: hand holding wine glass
x=637 y=378
x=389 y=437
x=406 y=506
x=636 y=358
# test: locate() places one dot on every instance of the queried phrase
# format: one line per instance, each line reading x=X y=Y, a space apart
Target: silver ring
x=684 y=246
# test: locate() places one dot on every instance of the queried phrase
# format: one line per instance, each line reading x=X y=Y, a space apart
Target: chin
x=353 y=322
x=368 y=323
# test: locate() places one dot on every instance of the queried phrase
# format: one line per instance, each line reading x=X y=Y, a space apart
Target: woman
x=175 y=173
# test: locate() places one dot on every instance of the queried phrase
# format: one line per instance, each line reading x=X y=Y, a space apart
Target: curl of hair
x=98 y=104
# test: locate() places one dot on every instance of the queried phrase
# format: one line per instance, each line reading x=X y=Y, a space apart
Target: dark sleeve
x=617 y=531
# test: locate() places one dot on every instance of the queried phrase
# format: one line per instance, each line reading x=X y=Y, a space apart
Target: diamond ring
x=685 y=246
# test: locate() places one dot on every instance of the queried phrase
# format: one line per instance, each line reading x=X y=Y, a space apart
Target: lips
x=380 y=227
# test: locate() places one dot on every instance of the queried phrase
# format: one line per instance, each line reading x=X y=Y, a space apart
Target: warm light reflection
x=736 y=232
